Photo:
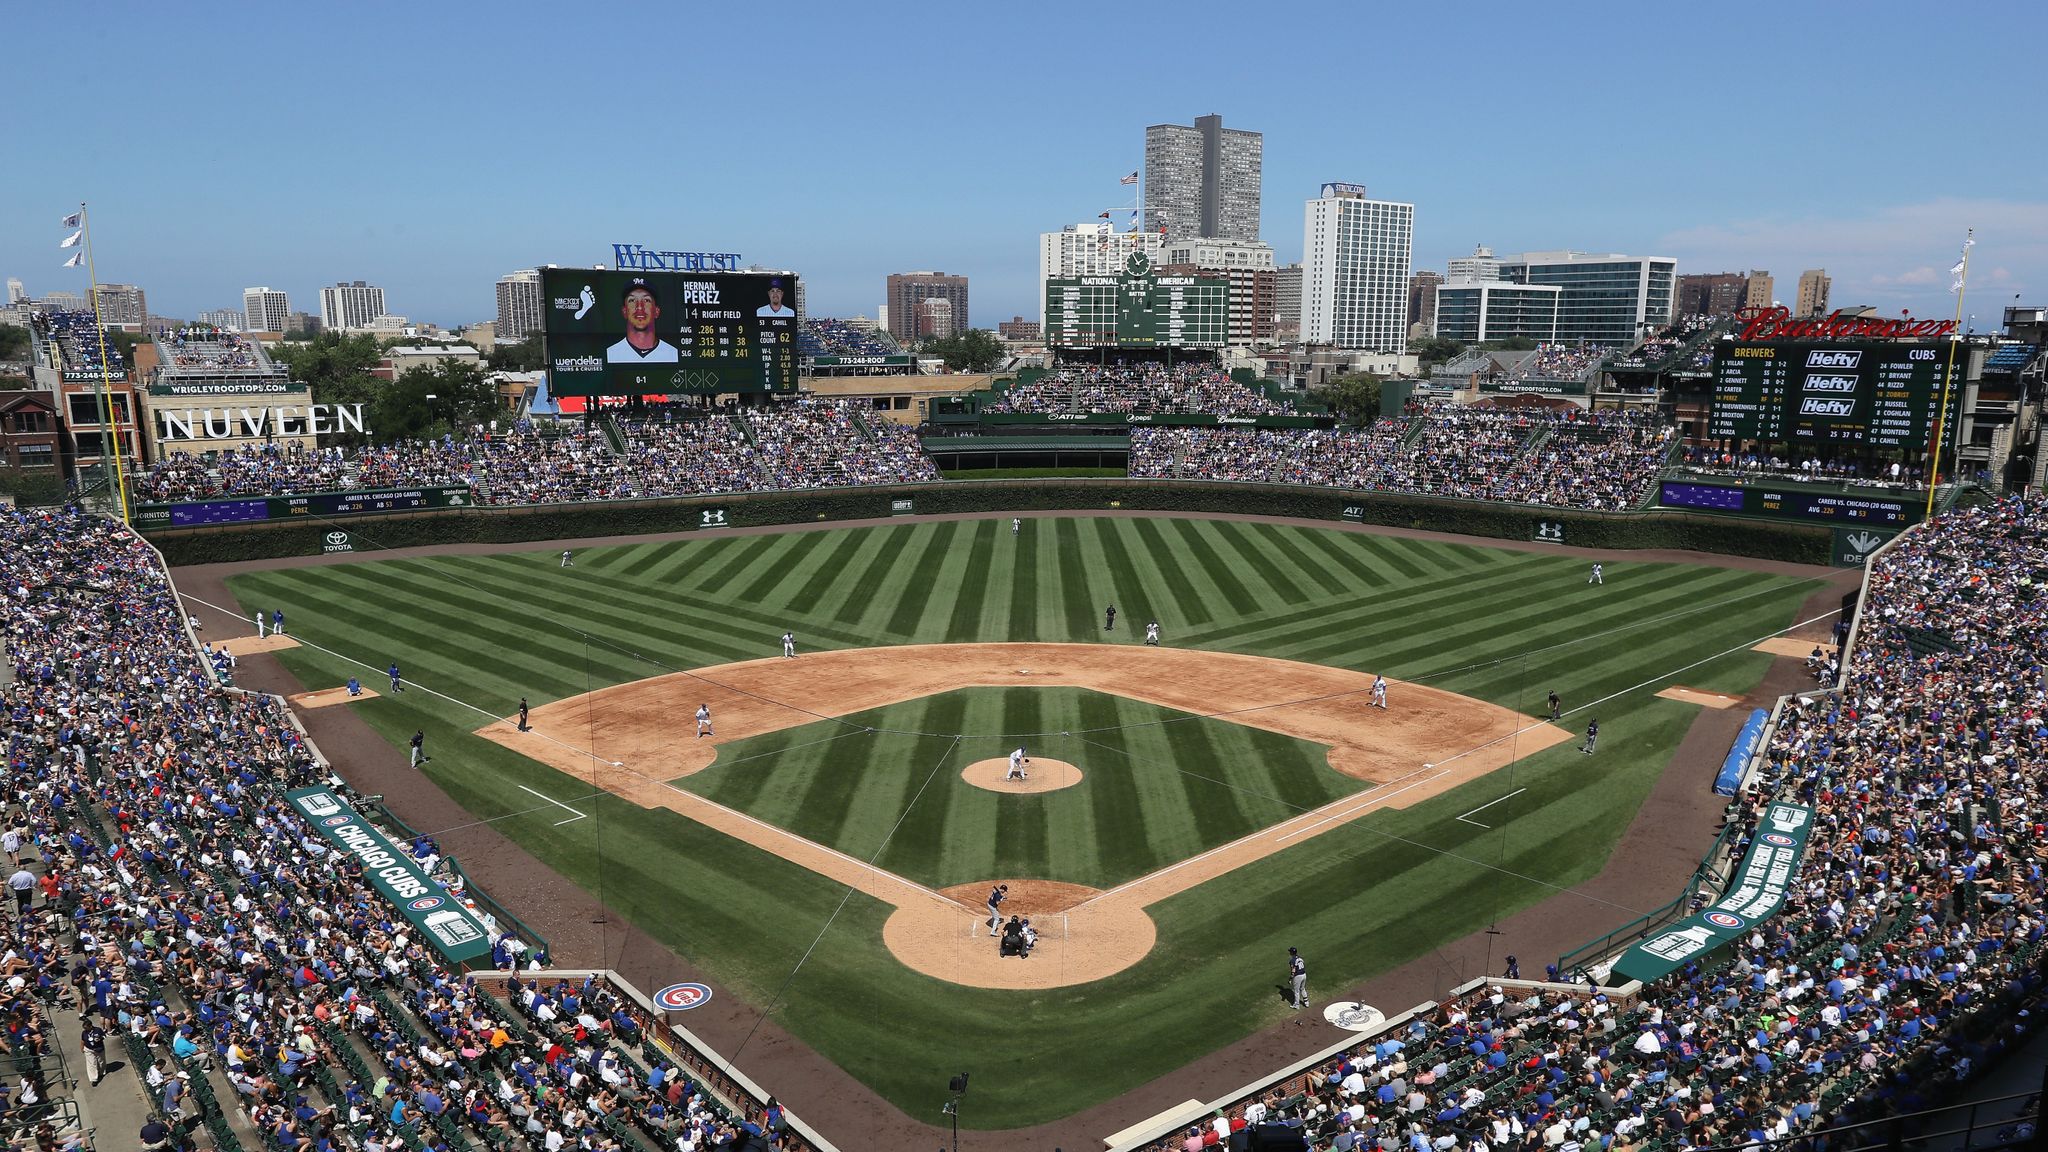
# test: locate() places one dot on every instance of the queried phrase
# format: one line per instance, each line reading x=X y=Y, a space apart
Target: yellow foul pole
x=109 y=417
x=1948 y=378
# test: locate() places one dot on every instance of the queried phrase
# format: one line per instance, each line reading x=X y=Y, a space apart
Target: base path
x=1427 y=742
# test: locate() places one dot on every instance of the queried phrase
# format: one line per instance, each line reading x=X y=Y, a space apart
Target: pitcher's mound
x=1046 y=775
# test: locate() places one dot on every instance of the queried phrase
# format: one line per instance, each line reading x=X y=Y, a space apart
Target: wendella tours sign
x=444 y=922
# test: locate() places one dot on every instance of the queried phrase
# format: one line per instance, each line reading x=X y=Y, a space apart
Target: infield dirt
x=625 y=739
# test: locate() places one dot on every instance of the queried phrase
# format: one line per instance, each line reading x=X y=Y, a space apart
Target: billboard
x=1137 y=309
x=1787 y=503
x=613 y=333
x=1869 y=394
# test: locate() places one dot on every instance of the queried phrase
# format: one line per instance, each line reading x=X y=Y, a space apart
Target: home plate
x=1354 y=1016
x=322 y=697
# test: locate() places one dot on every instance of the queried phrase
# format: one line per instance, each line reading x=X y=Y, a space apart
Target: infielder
x=1109 y=618
x=1379 y=692
x=996 y=896
x=1555 y=704
x=1152 y=634
x=1297 y=974
x=1592 y=736
x=789 y=645
x=259 y=623
x=703 y=721
x=1596 y=578
x=1017 y=762
x=277 y=622
x=397 y=681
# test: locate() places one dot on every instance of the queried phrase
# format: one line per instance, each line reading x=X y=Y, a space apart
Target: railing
x=2000 y=1122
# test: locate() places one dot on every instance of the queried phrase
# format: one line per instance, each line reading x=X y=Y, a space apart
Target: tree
x=524 y=356
x=1511 y=344
x=1434 y=350
x=462 y=399
x=13 y=342
x=336 y=366
x=975 y=350
x=1355 y=397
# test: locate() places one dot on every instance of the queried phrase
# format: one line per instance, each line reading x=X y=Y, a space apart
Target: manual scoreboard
x=1871 y=394
x=1137 y=309
x=631 y=333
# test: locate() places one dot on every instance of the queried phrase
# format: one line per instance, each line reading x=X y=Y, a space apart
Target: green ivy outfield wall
x=1703 y=532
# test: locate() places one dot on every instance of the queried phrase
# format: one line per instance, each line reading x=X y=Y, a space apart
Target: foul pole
x=109 y=426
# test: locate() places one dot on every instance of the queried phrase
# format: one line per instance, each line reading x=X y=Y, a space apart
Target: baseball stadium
x=1121 y=752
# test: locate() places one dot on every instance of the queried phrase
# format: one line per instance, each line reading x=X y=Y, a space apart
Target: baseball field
x=1193 y=809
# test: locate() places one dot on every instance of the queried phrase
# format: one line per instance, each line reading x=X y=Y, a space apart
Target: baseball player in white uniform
x=1379 y=691
x=1152 y=634
x=1016 y=525
x=1017 y=762
x=789 y=645
x=1596 y=577
x=703 y=721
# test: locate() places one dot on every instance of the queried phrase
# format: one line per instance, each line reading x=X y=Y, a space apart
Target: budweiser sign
x=1778 y=324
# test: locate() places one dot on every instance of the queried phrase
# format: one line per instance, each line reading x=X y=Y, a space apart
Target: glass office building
x=1606 y=299
x=1475 y=312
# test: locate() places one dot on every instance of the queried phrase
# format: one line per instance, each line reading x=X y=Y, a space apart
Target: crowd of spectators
x=1908 y=956
x=808 y=444
x=185 y=908
x=1561 y=362
x=1752 y=465
x=199 y=346
x=1149 y=388
x=824 y=336
x=78 y=339
x=1603 y=460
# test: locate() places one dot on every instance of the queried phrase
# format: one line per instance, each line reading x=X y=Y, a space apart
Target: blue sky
x=432 y=148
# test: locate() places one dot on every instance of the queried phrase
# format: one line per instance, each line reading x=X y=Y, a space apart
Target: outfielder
x=1017 y=762
x=1152 y=634
x=703 y=721
x=566 y=561
x=789 y=645
x=1379 y=692
x=1596 y=578
x=1016 y=525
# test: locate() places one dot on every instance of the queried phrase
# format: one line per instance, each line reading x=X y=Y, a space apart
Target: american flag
x=1131 y=179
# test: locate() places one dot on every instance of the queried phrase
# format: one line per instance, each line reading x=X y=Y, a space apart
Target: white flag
x=71 y=241
x=77 y=258
x=72 y=220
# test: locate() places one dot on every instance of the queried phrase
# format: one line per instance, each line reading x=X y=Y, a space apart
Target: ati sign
x=1549 y=531
x=336 y=542
x=713 y=517
x=1353 y=513
x=259 y=423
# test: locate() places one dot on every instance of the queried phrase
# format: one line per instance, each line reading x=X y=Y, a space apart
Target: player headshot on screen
x=641 y=345
x=775 y=306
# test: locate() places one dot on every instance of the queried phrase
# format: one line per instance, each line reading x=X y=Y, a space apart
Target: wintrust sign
x=1776 y=323
x=259 y=423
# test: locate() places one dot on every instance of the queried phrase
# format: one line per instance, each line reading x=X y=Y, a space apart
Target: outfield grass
x=1502 y=626
x=1191 y=785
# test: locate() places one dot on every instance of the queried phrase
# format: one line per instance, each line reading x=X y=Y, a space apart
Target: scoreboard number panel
x=1137 y=309
x=630 y=333
x=1880 y=395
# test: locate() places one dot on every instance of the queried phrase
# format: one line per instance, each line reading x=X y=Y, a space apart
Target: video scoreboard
x=1137 y=310
x=1880 y=395
x=631 y=333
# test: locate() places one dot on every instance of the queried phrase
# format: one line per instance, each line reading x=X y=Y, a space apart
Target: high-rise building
x=302 y=323
x=1422 y=289
x=1357 y=254
x=15 y=292
x=1246 y=265
x=907 y=293
x=1757 y=293
x=1813 y=292
x=350 y=305
x=1092 y=249
x=1203 y=180
x=519 y=306
x=122 y=304
x=935 y=318
x=1478 y=311
x=1020 y=330
x=1719 y=293
x=1287 y=302
x=264 y=310
x=1608 y=299
x=234 y=318
x=1480 y=265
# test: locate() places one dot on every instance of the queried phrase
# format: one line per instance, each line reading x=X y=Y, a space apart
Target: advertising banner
x=441 y=920
x=1142 y=419
x=199 y=513
x=1757 y=890
x=697 y=332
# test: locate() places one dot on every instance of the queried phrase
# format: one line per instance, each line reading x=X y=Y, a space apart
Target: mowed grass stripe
x=1350 y=551
x=1117 y=815
x=1195 y=538
x=1022 y=829
x=1233 y=540
x=914 y=598
x=832 y=565
x=1400 y=555
x=770 y=584
x=1024 y=596
x=858 y=595
x=732 y=555
x=630 y=562
x=1154 y=565
x=1077 y=605
x=965 y=621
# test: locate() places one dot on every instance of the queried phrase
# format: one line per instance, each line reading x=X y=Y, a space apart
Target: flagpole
x=109 y=426
x=1949 y=377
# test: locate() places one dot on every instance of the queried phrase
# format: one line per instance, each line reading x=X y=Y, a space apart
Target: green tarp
x=1757 y=890
x=441 y=919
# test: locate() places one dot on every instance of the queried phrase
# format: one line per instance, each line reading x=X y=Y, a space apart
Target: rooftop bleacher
x=198 y=350
x=824 y=336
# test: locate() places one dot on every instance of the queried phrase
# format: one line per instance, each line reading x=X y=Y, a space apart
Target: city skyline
x=437 y=211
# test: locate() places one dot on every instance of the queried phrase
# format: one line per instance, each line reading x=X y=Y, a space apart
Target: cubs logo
x=424 y=903
x=1779 y=839
x=682 y=997
x=334 y=821
x=1724 y=920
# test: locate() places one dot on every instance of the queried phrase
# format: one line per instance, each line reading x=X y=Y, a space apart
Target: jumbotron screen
x=1884 y=395
x=640 y=333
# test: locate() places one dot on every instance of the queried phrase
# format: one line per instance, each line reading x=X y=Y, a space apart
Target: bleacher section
x=199 y=350
x=823 y=336
x=1148 y=389
x=72 y=342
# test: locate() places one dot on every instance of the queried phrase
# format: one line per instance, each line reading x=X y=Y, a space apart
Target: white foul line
x=1489 y=804
x=558 y=804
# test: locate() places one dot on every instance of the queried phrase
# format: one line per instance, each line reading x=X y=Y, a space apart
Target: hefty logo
x=1833 y=359
x=1845 y=385
x=1812 y=406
